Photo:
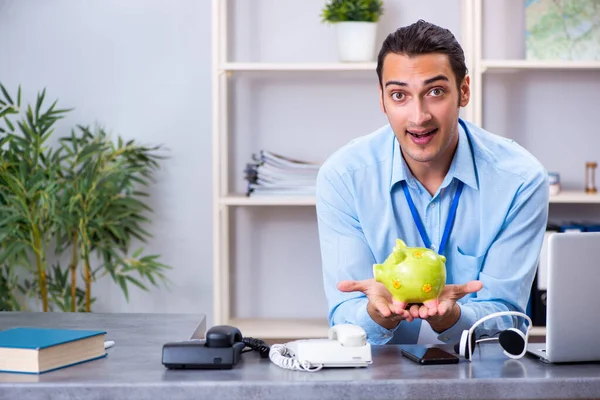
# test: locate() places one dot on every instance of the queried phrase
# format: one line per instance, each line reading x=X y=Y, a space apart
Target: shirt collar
x=400 y=171
x=461 y=168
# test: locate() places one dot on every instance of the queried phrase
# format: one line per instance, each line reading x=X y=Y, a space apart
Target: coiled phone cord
x=281 y=356
x=258 y=345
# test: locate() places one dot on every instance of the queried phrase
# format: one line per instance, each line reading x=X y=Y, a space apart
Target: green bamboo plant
x=28 y=187
x=60 y=294
x=102 y=210
x=9 y=287
x=85 y=195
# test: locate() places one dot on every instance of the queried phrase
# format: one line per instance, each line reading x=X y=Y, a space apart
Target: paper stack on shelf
x=271 y=174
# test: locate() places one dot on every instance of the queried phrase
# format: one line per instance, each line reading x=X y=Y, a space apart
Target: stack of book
x=270 y=174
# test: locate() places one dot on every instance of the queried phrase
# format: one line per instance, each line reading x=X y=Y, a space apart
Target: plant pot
x=356 y=41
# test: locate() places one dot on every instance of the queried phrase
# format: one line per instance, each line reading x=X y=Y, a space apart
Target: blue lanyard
x=449 y=221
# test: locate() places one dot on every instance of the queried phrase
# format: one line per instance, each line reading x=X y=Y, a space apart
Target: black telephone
x=221 y=349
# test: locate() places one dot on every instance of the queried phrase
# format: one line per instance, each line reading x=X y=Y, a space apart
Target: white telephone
x=346 y=347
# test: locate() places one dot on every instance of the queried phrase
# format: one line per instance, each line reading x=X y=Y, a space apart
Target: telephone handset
x=221 y=349
x=223 y=336
x=346 y=346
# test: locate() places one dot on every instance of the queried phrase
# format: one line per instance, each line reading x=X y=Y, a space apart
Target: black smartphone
x=426 y=355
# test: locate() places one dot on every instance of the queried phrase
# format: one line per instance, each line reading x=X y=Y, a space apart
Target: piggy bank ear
x=400 y=244
x=397 y=256
x=399 y=252
x=443 y=259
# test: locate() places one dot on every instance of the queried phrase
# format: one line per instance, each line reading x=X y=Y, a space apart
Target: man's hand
x=443 y=313
x=382 y=308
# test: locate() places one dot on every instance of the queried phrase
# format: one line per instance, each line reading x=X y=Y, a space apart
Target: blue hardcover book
x=39 y=350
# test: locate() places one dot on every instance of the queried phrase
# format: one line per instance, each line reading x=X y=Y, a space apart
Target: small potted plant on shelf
x=356 y=25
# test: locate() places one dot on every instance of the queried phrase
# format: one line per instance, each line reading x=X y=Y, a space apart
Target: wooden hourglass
x=590 y=177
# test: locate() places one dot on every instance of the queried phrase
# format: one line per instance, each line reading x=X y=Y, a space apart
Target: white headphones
x=512 y=340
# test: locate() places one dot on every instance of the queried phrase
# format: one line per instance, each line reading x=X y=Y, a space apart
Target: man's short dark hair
x=424 y=38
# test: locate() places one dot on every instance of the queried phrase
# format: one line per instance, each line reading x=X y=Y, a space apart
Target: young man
x=429 y=156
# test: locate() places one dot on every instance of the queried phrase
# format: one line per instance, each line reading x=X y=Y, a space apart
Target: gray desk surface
x=133 y=370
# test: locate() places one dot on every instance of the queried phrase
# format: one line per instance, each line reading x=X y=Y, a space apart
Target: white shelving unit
x=479 y=66
x=274 y=67
x=564 y=197
x=282 y=328
x=538 y=331
x=242 y=200
x=224 y=201
x=574 y=197
x=494 y=65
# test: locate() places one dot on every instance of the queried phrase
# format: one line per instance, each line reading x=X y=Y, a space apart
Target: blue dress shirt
x=496 y=237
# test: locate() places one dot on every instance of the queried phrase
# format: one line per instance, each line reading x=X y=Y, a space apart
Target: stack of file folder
x=270 y=174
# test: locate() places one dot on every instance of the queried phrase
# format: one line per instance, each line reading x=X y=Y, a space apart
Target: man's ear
x=465 y=91
x=381 y=105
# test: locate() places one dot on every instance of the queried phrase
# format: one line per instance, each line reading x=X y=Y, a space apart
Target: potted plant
x=84 y=195
x=356 y=25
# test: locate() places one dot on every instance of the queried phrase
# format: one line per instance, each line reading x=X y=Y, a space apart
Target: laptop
x=572 y=320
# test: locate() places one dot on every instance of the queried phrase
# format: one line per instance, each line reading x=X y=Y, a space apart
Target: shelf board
x=538 y=65
x=538 y=331
x=273 y=328
x=370 y=66
x=575 y=197
x=241 y=200
x=258 y=66
x=564 y=197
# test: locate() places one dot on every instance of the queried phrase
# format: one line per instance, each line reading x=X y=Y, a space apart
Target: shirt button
x=432 y=205
x=433 y=247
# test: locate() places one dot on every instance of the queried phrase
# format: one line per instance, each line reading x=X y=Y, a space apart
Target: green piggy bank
x=412 y=274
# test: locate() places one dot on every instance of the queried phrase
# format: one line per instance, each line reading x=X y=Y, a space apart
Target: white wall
x=142 y=69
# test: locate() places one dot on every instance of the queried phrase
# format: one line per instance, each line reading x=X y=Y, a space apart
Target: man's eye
x=436 y=92
x=397 y=96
